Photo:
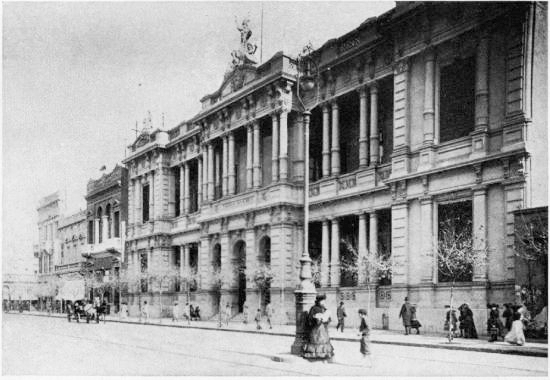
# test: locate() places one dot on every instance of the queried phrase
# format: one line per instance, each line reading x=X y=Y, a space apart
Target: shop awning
x=72 y=290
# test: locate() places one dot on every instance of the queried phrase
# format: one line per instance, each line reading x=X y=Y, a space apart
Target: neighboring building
x=106 y=215
x=431 y=112
x=46 y=251
x=17 y=288
x=71 y=264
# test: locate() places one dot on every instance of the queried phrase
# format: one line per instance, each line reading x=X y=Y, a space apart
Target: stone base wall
x=430 y=301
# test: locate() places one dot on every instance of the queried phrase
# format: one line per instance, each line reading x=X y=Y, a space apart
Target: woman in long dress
x=515 y=335
x=318 y=345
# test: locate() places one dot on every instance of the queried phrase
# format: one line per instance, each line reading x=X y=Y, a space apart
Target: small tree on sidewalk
x=220 y=279
x=370 y=268
x=162 y=276
x=531 y=247
x=261 y=277
x=189 y=277
x=457 y=255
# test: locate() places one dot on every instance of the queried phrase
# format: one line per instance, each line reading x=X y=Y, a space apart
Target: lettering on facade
x=349 y=44
x=313 y=190
x=346 y=183
x=347 y=295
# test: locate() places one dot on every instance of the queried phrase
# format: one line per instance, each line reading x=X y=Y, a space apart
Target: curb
x=512 y=350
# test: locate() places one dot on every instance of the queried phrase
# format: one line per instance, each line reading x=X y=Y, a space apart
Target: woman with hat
x=364 y=332
x=318 y=345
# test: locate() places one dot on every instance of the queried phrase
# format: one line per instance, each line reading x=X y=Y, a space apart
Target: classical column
x=482 y=83
x=362 y=248
x=210 y=172
x=335 y=254
x=96 y=230
x=325 y=253
x=373 y=232
x=363 y=133
x=275 y=147
x=152 y=195
x=257 y=177
x=182 y=189
x=249 y=155
x=374 y=145
x=186 y=256
x=205 y=173
x=231 y=164
x=429 y=107
x=217 y=174
x=479 y=227
x=427 y=242
x=186 y=188
x=105 y=225
x=139 y=200
x=283 y=146
x=225 y=160
x=335 y=149
x=199 y=181
x=326 y=140
x=182 y=263
x=131 y=194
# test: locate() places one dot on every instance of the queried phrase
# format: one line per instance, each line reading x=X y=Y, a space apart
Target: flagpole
x=262 y=34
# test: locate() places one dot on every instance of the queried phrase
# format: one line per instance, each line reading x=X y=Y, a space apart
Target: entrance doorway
x=239 y=263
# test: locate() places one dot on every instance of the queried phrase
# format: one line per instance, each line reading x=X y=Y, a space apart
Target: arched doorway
x=264 y=261
x=239 y=263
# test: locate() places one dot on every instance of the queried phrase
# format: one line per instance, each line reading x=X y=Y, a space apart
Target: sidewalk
x=377 y=336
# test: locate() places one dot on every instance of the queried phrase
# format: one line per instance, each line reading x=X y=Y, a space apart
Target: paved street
x=52 y=346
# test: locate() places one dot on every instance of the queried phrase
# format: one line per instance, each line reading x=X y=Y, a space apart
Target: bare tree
x=531 y=246
x=457 y=255
x=368 y=269
x=261 y=278
x=162 y=275
x=220 y=279
x=189 y=277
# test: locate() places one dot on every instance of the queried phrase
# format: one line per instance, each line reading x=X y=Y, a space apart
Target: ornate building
x=431 y=112
x=48 y=248
x=106 y=215
x=70 y=263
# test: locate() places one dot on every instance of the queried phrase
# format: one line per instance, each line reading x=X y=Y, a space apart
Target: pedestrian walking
x=450 y=322
x=467 y=326
x=186 y=313
x=103 y=311
x=49 y=307
x=245 y=313
x=508 y=315
x=144 y=312
x=69 y=310
x=197 y=313
x=341 y=315
x=406 y=314
x=318 y=346
x=494 y=324
x=364 y=333
x=123 y=314
x=258 y=319
x=516 y=335
x=415 y=323
x=227 y=314
x=175 y=312
x=269 y=314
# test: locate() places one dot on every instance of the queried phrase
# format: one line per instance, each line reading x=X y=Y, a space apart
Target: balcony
x=271 y=195
x=349 y=184
x=68 y=268
x=106 y=247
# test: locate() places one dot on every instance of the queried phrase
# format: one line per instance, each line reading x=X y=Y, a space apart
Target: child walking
x=364 y=332
x=258 y=319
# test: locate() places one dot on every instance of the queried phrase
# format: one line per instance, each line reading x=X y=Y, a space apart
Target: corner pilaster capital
x=373 y=88
x=401 y=66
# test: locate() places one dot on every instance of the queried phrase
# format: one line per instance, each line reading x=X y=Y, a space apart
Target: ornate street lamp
x=307 y=75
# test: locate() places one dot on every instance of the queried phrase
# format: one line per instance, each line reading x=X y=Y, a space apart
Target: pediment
x=233 y=81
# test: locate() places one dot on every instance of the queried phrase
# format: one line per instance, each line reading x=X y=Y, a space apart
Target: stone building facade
x=106 y=216
x=429 y=112
x=47 y=250
x=70 y=262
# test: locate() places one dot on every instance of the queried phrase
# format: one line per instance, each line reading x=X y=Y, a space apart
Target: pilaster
x=335 y=254
x=335 y=148
x=325 y=253
x=249 y=156
x=257 y=177
x=326 y=140
x=363 y=131
x=275 y=147
x=374 y=138
x=283 y=147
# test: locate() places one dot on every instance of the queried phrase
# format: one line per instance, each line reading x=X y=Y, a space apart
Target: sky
x=77 y=76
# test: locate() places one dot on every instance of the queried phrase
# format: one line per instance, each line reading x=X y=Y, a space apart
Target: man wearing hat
x=341 y=315
x=406 y=314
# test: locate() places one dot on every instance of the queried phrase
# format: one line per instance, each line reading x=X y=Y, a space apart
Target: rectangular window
x=457 y=99
x=117 y=224
x=145 y=203
x=455 y=242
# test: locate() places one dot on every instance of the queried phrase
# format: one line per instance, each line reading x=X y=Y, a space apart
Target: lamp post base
x=304 y=301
